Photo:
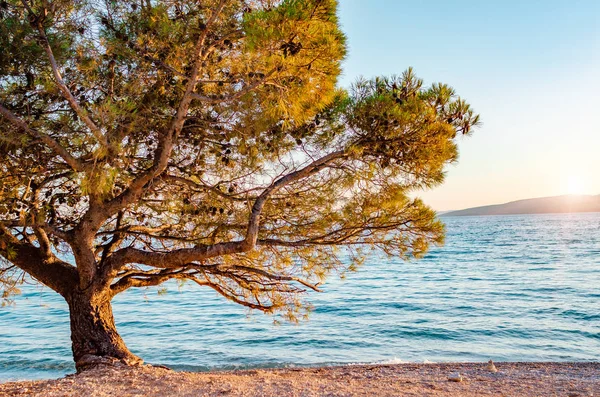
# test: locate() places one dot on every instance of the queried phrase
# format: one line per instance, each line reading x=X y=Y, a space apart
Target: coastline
x=512 y=379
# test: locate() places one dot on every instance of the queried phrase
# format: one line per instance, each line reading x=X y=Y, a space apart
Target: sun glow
x=576 y=184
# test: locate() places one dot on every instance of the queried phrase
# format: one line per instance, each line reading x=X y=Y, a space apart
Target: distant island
x=542 y=205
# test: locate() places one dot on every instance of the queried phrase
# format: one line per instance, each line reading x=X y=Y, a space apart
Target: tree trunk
x=93 y=333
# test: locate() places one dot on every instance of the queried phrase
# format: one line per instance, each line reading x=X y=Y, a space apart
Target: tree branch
x=143 y=279
x=180 y=257
x=312 y=168
x=237 y=95
x=49 y=270
x=52 y=144
x=272 y=276
x=220 y=290
x=167 y=140
x=199 y=187
x=37 y=24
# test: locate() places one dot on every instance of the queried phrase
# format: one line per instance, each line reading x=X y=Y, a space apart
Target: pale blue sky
x=530 y=68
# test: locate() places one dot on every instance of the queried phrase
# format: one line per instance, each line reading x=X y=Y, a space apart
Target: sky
x=531 y=68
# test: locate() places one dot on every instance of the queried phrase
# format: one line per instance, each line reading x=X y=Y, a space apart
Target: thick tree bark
x=93 y=332
x=47 y=269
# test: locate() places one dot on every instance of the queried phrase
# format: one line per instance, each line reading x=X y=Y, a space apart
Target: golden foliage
x=263 y=106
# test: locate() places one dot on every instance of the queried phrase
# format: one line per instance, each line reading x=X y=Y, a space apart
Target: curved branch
x=37 y=24
x=180 y=257
x=49 y=270
x=274 y=277
x=174 y=259
x=199 y=187
x=335 y=237
x=52 y=144
x=312 y=168
x=216 y=287
x=143 y=279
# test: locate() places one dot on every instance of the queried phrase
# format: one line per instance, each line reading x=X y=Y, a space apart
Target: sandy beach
x=511 y=379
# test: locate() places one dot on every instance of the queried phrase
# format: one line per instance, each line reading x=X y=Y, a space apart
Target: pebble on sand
x=455 y=377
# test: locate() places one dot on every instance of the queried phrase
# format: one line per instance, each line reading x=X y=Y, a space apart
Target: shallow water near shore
x=509 y=288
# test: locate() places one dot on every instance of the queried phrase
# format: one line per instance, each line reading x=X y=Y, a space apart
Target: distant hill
x=543 y=205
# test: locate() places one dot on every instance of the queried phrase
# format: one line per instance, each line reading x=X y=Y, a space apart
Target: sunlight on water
x=508 y=288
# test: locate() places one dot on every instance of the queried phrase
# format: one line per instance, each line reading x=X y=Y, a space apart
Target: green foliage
x=265 y=104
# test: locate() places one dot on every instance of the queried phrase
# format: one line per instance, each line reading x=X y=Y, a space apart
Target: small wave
x=39 y=365
x=394 y=360
x=242 y=366
x=580 y=315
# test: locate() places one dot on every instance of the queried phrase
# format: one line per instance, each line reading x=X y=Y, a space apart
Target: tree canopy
x=207 y=141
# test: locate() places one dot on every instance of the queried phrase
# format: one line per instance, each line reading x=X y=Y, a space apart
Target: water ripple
x=507 y=288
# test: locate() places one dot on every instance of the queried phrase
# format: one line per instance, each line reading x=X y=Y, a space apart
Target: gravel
x=511 y=379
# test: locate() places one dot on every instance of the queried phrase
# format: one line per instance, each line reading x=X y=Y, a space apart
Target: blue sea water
x=518 y=288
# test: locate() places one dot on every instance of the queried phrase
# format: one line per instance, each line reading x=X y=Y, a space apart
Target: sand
x=512 y=379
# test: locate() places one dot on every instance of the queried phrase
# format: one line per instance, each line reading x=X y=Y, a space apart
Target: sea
x=506 y=288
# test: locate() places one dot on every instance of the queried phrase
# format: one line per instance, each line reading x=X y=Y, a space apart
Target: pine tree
x=207 y=142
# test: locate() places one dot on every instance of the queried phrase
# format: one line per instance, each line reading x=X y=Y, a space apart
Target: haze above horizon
x=567 y=203
x=530 y=70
